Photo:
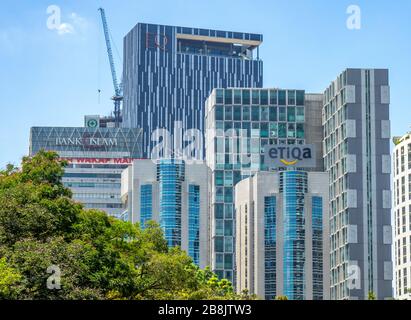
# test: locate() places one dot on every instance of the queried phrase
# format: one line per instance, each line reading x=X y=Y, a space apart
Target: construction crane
x=118 y=88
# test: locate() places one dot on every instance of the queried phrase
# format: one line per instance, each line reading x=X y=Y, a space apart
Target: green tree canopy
x=46 y=237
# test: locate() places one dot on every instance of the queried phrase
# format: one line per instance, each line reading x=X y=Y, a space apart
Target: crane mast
x=118 y=92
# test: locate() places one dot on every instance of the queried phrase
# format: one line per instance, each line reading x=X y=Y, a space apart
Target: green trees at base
x=51 y=248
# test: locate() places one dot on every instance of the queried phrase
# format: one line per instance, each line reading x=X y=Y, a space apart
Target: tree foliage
x=98 y=257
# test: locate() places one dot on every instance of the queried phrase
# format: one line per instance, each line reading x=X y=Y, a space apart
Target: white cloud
x=65 y=28
x=75 y=24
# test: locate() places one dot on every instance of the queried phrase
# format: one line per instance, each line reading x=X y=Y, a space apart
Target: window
x=219 y=113
x=219 y=227
x=228 y=194
x=219 y=244
x=291 y=114
x=255 y=98
x=299 y=114
x=194 y=222
x=237 y=113
x=218 y=211
x=237 y=96
x=246 y=96
x=282 y=130
x=219 y=96
x=273 y=130
x=273 y=113
x=228 y=261
x=291 y=130
x=228 y=113
x=228 y=228
x=145 y=204
x=219 y=178
x=264 y=130
x=300 y=130
x=282 y=114
x=228 y=244
x=273 y=97
x=255 y=113
x=228 y=211
x=246 y=113
x=300 y=97
x=228 y=96
x=291 y=97
x=219 y=257
x=264 y=97
x=281 y=97
x=219 y=194
x=264 y=113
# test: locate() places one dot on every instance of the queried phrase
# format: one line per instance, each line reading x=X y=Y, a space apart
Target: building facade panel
x=357 y=268
x=169 y=72
x=239 y=124
x=401 y=205
x=282 y=235
x=96 y=157
x=179 y=202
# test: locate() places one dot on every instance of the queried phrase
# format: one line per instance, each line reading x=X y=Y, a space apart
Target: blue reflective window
x=228 y=96
x=264 y=97
x=170 y=174
x=237 y=96
x=273 y=97
x=300 y=97
x=255 y=97
x=219 y=96
x=246 y=96
x=270 y=261
x=293 y=185
x=219 y=211
x=282 y=97
x=219 y=113
x=317 y=247
x=194 y=222
x=246 y=113
x=146 y=200
x=255 y=113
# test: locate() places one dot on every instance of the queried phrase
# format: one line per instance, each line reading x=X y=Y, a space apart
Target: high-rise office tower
x=170 y=71
x=239 y=124
x=96 y=157
x=282 y=237
x=175 y=194
x=357 y=158
x=402 y=215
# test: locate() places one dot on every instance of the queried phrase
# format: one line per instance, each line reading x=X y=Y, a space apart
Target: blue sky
x=51 y=78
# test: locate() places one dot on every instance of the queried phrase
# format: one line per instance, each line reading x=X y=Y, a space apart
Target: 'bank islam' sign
x=295 y=155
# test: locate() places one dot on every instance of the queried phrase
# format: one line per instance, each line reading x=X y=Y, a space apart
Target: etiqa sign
x=296 y=155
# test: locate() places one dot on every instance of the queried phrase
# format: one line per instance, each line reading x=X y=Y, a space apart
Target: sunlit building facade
x=282 y=235
x=174 y=194
x=169 y=71
x=402 y=215
x=96 y=157
x=357 y=158
x=239 y=124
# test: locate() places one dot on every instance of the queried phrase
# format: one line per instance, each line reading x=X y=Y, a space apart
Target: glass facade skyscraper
x=96 y=157
x=239 y=123
x=282 y=237
x=169 y=72
x=293 y=185
x=175 y=194
x=170 y=175
x=194 y=222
